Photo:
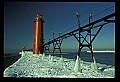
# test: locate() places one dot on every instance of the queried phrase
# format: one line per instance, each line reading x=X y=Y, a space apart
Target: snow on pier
x=48 y=66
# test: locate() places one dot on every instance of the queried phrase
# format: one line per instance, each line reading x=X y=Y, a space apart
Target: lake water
x=103 y=58
x=10 y=58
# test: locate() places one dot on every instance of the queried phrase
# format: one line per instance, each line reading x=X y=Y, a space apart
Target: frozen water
x=77 y=65
x=61 y=59
x=43 y=56
x=31 y=65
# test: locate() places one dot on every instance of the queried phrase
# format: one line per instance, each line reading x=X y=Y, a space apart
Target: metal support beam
x=97 y=33
x=47 y=47
x=78 y=39
x=58 y=41
x=82 y=29
x=57 y=45
x=53 y=42
x=84 y=38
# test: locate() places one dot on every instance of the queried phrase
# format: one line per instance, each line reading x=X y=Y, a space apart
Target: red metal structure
x=38 y=35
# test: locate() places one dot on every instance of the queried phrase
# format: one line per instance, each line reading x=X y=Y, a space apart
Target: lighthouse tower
x=38 y=47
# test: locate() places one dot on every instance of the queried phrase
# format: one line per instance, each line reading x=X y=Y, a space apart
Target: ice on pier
x=61 y=59
x=94 y=65
x=43 y=56
x=49 y=57
x=31 y=65
x=77 y=67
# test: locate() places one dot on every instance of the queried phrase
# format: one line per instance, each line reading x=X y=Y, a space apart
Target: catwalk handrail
x=81 y=28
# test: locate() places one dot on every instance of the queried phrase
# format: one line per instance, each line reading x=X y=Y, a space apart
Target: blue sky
x=58 y=17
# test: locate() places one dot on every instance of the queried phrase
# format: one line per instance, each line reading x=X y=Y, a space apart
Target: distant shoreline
x=102 y=51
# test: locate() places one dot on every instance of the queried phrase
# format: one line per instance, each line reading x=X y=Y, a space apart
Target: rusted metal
x=38 y=35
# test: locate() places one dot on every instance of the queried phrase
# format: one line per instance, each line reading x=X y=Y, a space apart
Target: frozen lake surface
x=47 y=66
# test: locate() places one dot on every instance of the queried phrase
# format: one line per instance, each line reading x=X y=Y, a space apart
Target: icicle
x=23 y=53
x=77 y=65
x=94 y=65
x=49 y=56
x=61 y=59
x=43 y=56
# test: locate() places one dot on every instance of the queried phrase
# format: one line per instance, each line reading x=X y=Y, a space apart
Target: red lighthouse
x=38 y=35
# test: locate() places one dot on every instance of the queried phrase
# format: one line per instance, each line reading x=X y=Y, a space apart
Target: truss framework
x=78 y=36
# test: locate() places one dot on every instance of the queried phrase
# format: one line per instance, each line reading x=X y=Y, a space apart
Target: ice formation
x=43 y=56
x=49 y=57
x=61 y=59
x=95 y=64
x=77 y=65
x=31 y=65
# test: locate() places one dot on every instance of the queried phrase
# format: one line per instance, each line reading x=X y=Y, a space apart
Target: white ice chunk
x=77 y=67
x=61 y=59
x=94 y=65
x=49 y=56
x=43 y=56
